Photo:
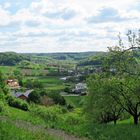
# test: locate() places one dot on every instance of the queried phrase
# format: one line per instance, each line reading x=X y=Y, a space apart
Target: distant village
x=79 y=89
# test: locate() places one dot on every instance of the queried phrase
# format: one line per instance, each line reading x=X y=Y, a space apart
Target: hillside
x=11 y=58
x=66 y=56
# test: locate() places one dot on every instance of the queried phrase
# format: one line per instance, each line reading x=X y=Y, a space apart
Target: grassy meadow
x=73 y=122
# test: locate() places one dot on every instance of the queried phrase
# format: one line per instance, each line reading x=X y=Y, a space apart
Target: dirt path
x=37 y=128
x=62 y=134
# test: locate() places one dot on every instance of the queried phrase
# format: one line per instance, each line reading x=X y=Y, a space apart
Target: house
x=13 y=83
x=22 y=95
x=80 y=88
x=65 y=78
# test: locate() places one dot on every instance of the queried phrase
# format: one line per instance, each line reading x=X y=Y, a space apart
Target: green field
x=50 y=83
x=7 y=69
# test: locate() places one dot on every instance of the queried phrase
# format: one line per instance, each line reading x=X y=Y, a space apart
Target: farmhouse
x=23 y=96
x=80 y=88
x=13 y=83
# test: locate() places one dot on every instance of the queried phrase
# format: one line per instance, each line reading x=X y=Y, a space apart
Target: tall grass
x=10 y=132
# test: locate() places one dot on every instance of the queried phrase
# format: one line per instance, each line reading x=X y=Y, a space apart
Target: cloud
x=32 y=23
x=108 y=14
x=11 y=27
x=65 y=14
x=5 y=17
x=7 y=5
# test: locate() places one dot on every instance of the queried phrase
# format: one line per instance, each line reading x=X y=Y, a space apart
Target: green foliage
x=49 y=114
x=11 y=59
x=3 y=88
x=75 y=101
x=73 y=118
x=67 y=89
x=2 y=106
x=34 y=96
x=101 y=106
x=96 y=60
x=33 y=84
x=17 y=103
x=57 y=98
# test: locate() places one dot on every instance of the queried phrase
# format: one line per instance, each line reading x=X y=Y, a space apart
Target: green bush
x=72 y=119
x=34 y=96
x=17 y=103
x=49 y=114
x=57 y=98
x=2 y=108
x=33 y=84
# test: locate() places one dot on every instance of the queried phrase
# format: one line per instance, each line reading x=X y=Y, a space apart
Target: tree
x=126 y=93
x=125 y=62
x=120 y=81
x=3 y=86
x=33 y=84
x=101 y=106
x=11 y=59
x=18 y=75
x=34 y=96
x=55 y=96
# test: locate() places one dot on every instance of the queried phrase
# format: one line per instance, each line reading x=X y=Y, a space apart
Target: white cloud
x=5 y=17
x=7 y=5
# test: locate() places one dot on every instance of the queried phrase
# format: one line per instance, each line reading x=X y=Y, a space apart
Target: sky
x=42 y=26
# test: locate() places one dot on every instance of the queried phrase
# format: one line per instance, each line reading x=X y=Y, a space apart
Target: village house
x=13 y=83
x=80 y=88
x=22 y=95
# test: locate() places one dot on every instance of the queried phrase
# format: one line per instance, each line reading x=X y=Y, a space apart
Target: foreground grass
x=104 y=131
x=71 y=122
x=10 y=132
x=17 y=114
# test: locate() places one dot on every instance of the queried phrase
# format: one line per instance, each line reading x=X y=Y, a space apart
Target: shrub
x=67 y=89
x=34 y=97
x=49 y=114
x=33 y=84
x=2 y=96
x=1 y=106
x=17 y=103
x=74 y=117
x=57 y=98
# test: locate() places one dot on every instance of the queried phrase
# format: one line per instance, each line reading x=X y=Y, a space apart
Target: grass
x=104 y=131
x=72 y=122
x=7 y=69
x=16 y=124
x=127 y=121
x=51 y=83
x=9 y=131
x=17 y=114
x=117 y=132
x=75 y=101
x=49 y=79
